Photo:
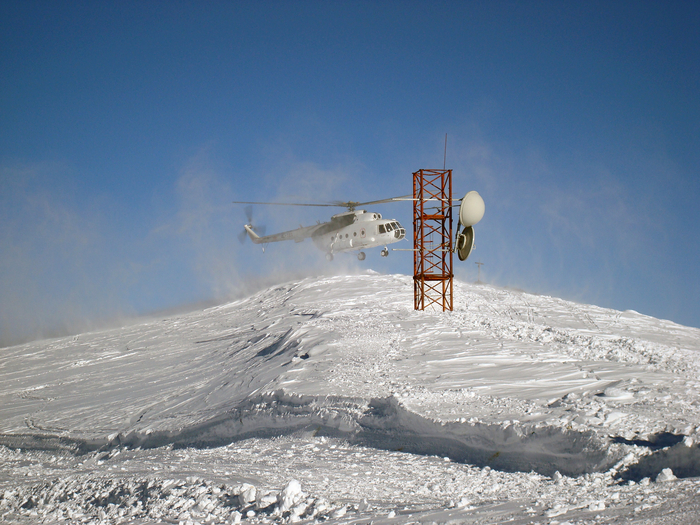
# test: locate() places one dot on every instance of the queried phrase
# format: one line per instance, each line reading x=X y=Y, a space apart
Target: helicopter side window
x=382 y=229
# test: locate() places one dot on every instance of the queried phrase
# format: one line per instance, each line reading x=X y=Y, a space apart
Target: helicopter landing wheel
x=329 y=257
x=361 y=256
x=385 y=252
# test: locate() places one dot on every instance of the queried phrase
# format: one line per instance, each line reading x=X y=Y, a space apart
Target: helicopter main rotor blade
x=351 y=205
x=382 y=201
x=283 y=203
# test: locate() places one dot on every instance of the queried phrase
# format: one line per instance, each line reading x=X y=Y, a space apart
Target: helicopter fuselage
x=350 y=231
x=357 y=230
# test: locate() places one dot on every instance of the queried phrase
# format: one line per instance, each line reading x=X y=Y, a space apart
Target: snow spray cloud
x=54 y=276
x=72 y=261
x=206 y=226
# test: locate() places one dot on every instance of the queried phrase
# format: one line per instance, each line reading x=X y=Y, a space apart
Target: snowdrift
x=509 y=381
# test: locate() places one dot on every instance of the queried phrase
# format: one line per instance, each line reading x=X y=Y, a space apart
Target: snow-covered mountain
x=332 y=400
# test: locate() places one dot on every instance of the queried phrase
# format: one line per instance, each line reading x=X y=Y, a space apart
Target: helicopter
x=352 y=230
x=358 y=230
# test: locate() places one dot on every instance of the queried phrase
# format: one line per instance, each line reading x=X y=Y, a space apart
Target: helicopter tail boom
x=297 y=235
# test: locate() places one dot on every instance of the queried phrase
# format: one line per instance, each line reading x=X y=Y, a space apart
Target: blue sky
x=126 y=128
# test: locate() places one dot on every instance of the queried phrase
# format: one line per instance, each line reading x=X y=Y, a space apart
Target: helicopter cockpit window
x=382 y=229
x=389 y=227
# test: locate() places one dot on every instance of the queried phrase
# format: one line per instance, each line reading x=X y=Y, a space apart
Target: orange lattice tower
x=432 y=239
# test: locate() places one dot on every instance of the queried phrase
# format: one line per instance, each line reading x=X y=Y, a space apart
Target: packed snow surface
x=331 y=400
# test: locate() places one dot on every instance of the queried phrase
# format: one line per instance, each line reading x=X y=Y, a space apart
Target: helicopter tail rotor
x=258 y=230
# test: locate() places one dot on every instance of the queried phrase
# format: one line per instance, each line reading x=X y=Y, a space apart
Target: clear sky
x=127 y=128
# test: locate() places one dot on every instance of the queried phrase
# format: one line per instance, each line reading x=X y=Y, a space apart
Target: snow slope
x=331 y=399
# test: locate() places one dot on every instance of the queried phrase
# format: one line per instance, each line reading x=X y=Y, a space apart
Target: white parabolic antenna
x=472 y=209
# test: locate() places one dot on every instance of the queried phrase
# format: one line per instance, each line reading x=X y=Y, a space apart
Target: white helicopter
x=353 y=230
x=357 y=230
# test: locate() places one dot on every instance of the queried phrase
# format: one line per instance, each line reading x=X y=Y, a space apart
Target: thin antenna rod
x=479 y=264
x=444 y=162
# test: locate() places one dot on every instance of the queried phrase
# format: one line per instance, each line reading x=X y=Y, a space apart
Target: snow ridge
x=381 y=423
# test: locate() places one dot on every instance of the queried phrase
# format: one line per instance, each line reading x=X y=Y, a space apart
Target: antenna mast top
x=444 y=159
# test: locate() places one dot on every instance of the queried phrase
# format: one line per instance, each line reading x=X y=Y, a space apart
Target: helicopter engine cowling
x=472 y=209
